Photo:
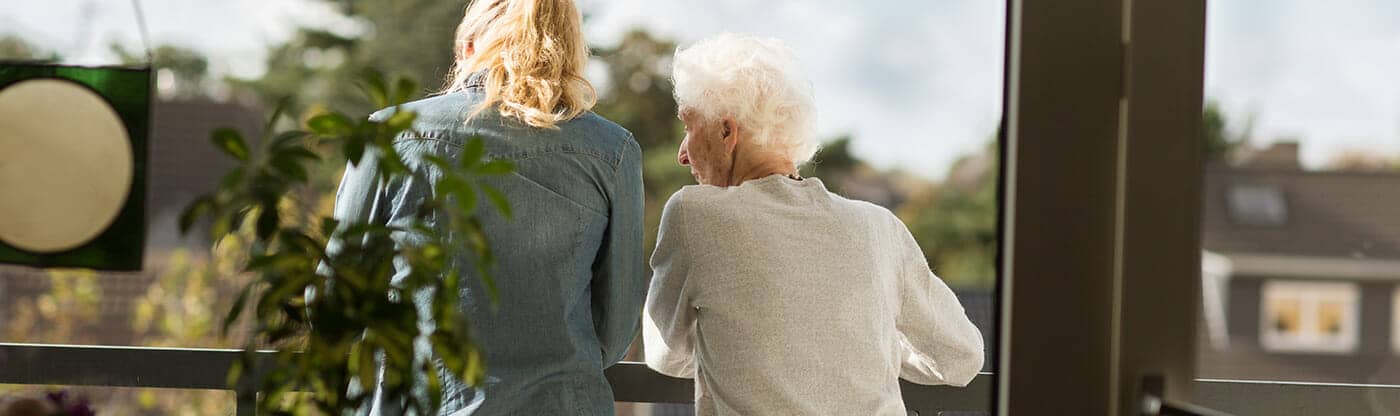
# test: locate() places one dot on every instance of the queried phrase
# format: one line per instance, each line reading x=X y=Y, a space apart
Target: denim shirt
x=569 y=266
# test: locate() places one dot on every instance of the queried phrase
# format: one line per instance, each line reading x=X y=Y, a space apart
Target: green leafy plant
x=339 y=317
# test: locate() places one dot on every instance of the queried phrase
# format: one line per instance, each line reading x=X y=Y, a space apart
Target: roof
x=1323 y=214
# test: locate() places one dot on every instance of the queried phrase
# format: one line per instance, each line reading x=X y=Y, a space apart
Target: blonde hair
x=533 y=55
x=756 y=81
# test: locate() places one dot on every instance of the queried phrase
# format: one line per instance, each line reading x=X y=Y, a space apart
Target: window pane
x=1301 y=229
x=908 y=96
x=909 y=99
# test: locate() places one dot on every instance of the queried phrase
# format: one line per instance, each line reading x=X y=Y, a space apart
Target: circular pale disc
x=65 y=165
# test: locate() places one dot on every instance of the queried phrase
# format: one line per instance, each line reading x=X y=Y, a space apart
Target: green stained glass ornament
x=72 y=165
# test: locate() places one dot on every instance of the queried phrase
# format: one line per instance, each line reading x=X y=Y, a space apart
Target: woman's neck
x=759 y=169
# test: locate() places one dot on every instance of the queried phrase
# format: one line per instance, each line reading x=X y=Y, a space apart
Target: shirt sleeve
x=668 y=324
x=355 y=199
x=619 y=277
x=938 y=343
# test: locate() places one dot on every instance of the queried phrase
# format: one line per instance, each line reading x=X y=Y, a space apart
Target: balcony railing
x=207 y=369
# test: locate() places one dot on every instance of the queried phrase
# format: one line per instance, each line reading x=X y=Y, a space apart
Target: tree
x=1362 y=161
x=181 y=73
x=956 y=224
x=1221 y=142
x=637 y=95
x=835 y=163
x=413 y=38
x=16 y=48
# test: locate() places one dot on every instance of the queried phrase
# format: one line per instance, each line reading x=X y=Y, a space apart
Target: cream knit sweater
x=781 y=298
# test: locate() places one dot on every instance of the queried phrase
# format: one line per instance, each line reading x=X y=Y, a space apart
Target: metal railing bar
x=85 y=365
x=1298 y=383
x=635 y=382
x=207 y=369
x=1183 y=409
x=1154 y=402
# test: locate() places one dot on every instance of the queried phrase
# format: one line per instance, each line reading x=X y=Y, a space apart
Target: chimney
x=1279 y=156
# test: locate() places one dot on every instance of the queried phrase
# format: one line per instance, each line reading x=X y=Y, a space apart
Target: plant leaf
x=237 y=309
x=232 y=180
x=404 y=88
x=438 y=162
x=496 y=167
x=363 y=353
x=282 y=105
x=330 y=125
x=197 y=209
x=476 y=368
x=354 y=148
x=235 y=373
x=458 y=191
x=268 y=221
x=230 y=142
x=328 y=226
x=290 y=166
x=287 y=139
x=376 y=88
x=472 y=152
x=401 y=120
x=498 y=199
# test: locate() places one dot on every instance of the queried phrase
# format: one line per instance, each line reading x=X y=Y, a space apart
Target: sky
x=917 y=83
x=1325 y=73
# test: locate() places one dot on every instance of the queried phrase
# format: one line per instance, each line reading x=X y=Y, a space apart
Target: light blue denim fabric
x=569 y=266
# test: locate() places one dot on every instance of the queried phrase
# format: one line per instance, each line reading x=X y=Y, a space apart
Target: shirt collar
x=476 y=80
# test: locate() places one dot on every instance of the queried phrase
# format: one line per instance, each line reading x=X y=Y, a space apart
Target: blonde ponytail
x=533 y=55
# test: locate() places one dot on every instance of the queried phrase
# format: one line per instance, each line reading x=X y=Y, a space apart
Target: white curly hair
x=757 y=82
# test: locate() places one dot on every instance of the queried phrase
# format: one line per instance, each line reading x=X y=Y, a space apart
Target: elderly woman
x=777 y=295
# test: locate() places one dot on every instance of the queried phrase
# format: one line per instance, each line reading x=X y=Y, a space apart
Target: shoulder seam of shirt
x=614 y=163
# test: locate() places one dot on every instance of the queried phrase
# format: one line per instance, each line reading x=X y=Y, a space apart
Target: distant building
x=1301 y=272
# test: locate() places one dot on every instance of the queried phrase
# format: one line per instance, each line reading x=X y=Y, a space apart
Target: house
x=1301 y=272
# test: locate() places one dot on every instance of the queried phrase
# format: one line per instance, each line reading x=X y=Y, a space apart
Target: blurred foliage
x=14 y=47
x=1362 y=161
x=181 y=73
x=1224 y=140
x=956 y=223
x=64 y=314
x=353 y=308
x=637 y=96
x=412 y=37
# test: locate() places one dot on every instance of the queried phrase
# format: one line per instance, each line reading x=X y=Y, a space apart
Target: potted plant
x=335 y=318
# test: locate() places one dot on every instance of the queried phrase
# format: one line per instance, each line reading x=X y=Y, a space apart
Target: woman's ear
x=730 y=134
x=468 y=48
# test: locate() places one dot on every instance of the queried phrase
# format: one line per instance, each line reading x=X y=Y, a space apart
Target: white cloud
x=235 y=33
x=916 y=83
x=1322 y=72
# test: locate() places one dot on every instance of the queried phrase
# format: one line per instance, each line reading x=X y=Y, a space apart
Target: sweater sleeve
x=668 y=321
x=938 y=343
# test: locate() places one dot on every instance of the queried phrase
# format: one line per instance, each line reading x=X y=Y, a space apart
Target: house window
x=1309 y=317
x=1257 y=205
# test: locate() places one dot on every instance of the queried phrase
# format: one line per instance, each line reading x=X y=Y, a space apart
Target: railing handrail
x=1298 y=383
x=207 y=369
